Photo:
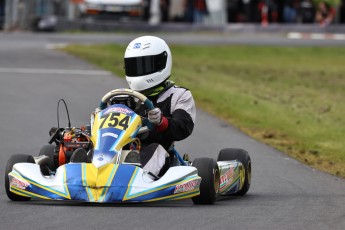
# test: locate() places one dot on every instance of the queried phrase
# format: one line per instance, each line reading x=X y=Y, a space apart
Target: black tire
x=49 y=151
x=209 y=173
x=18 y=158
x=243 y=157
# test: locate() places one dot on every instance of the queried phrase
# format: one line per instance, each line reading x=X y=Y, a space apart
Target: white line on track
x=53 y=46
x=294 y=35
x=54 y=71
x=316 y=36
x=339 y=36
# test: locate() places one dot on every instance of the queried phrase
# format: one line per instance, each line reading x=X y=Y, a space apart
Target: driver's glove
x=155 y=116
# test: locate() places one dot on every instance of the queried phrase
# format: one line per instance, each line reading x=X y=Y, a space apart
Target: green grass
x=288 y=97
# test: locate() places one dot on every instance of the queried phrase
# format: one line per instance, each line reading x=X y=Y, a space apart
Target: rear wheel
x=49 y=151
x=18 y=158
x=242 y=156
x=209 y=173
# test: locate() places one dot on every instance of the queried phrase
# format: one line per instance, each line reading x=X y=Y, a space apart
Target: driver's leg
x=153 y=158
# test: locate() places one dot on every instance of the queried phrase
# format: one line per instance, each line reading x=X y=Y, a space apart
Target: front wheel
x=243 y=157
x=209 y=173
x=18 y=158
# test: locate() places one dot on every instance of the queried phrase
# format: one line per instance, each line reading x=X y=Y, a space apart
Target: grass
x=288 y=97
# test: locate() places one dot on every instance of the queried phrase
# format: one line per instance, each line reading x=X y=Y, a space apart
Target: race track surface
x=284 y=193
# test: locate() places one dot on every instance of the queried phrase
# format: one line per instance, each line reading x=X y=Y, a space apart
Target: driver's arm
x=180 y=123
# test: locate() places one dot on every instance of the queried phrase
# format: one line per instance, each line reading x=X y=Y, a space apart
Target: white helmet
x=147 y=63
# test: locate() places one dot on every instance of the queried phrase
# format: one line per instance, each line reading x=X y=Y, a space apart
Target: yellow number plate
x=114 y=120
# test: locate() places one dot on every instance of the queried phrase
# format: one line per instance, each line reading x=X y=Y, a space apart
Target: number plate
x=114 y=120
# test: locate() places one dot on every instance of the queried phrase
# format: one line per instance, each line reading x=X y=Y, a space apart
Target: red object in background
x=77 y=1
x=264 y=13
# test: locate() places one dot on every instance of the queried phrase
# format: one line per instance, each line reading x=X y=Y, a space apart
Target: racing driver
x=148 y=64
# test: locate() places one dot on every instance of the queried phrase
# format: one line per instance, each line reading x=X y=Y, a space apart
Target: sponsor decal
x=19 y=184
x=110 y=135
x=226 y=178
x=76 y=145
x=136 y=45
x=100 y=158
x=189 y=186
x=118 y=110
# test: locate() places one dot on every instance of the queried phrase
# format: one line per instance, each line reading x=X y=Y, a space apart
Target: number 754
x=114 y=120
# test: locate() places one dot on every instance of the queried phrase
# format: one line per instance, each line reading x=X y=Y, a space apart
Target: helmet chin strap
x=160 y=88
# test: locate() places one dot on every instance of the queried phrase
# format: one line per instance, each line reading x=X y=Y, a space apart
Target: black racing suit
x=178 y=111
x=177 y=105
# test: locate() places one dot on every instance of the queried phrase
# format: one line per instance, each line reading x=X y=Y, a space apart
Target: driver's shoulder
x=176 y=91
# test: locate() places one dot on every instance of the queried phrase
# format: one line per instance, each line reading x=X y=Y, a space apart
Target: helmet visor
x=139 y=66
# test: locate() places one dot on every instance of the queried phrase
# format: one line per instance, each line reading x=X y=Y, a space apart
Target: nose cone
x=107 y=183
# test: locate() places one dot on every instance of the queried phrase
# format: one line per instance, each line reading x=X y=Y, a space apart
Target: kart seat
x=79 y=156
x=133 y=158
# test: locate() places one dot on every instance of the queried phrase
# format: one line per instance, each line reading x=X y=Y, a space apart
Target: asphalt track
x=284 y=193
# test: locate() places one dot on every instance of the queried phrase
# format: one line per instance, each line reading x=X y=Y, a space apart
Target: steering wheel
x=147 y=103
x=129 y=92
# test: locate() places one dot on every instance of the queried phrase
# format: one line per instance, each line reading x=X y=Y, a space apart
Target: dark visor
x=138 y=66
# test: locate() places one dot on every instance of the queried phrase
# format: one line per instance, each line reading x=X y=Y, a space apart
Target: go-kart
x=105 y=176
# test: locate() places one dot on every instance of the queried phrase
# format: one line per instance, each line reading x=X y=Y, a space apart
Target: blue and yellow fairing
x=113 y=128
x=108 y=183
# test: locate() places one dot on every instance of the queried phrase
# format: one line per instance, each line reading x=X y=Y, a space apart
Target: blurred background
x=52 y=15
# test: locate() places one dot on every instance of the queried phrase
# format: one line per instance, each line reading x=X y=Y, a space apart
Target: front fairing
x=112 y=129
x=108 y=183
